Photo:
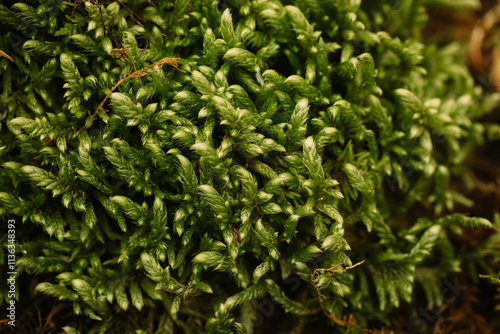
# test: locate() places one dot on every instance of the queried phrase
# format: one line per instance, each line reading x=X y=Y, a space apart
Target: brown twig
x=77 y=4
x=164 y=35
x=3 y=54
x=136 y=74
x=39 y=314
x=150 y=2
x=55 y=309
x=147 y=43
x=5 y=322
x=113 y=32
x=133 y=15
x=341 y=322
x=119 y=53
x=96 y=2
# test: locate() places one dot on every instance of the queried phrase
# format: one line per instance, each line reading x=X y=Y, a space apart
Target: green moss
x=288 y=139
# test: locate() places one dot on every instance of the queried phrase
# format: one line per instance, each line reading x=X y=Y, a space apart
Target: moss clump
x=286 y=139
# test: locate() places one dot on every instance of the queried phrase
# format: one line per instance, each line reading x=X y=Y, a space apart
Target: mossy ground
x=475 y=310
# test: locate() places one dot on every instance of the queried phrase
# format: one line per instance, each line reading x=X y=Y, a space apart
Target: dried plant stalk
x=3 y=54
x=131 y=75
x=341 y=322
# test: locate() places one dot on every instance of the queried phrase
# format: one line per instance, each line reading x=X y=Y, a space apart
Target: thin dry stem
x=136 y=74
x=136 y=18
x=150 y=2
x=351 y=322
x=3 y=54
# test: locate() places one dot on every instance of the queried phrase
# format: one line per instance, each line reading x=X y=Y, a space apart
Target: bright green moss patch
x=286 y=139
